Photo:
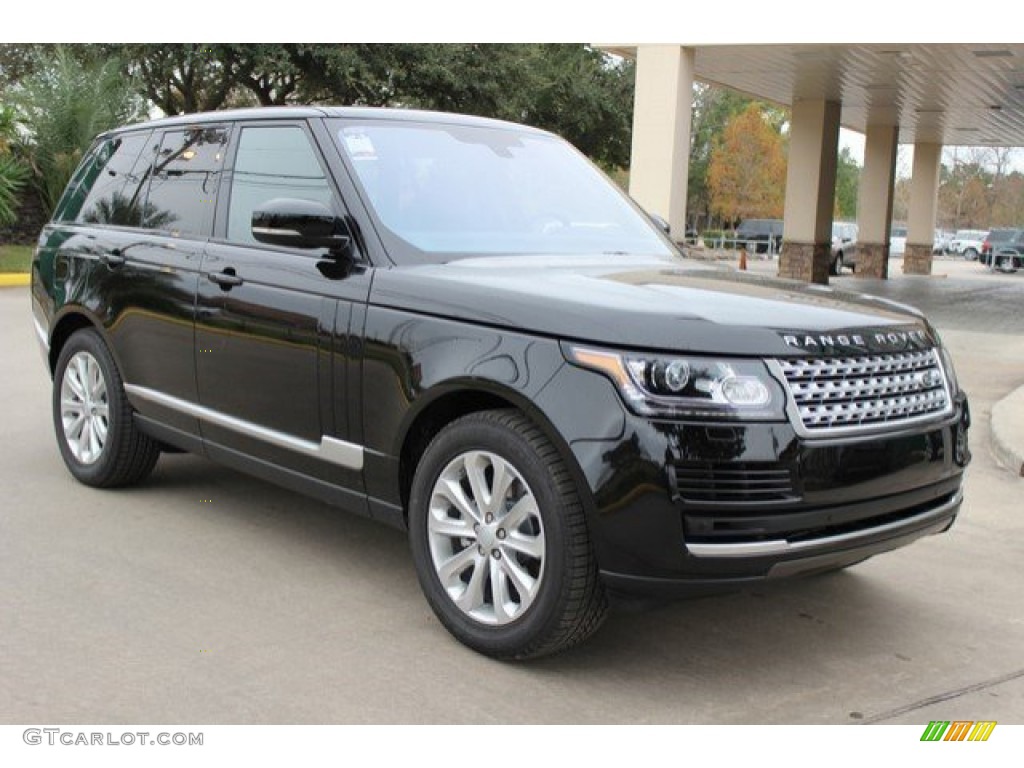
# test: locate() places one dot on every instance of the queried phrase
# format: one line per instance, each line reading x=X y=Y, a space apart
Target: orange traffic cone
x=743 y=259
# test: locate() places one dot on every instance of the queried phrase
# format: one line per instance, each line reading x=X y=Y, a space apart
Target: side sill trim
x=783 y=547
x=348 y=455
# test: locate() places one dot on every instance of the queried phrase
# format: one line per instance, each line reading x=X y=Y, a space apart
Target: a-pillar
x=924 y=197
x=874 y=203
x=660 y=156
x=810 y=191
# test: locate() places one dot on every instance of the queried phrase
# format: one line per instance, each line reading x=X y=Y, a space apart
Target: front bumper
x=684 y=507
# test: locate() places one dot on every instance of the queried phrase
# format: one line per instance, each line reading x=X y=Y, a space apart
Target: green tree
x=747 y=174
x=13 y=173
x=63 y=105
x=847 y=186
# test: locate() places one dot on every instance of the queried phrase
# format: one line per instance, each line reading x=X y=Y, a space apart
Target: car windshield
x=442 y=190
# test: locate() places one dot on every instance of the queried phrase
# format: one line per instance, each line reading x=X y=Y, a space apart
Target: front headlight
x=687 y=386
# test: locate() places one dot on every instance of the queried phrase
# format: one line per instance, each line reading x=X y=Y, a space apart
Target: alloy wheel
x=486 y=537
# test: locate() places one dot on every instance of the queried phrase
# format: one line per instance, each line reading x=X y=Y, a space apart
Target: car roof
x=298 y=113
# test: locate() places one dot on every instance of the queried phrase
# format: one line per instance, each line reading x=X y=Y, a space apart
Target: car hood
x=651 y=303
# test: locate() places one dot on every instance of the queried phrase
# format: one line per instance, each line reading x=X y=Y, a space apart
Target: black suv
x=461 y=328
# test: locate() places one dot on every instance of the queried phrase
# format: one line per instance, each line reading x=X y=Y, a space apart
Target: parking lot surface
x=206 y=596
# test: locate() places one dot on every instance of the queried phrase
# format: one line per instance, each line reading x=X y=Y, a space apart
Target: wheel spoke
x=500 y=593
x=521 y=580
x=452 y=491
x=521 y=511
x=500 y=484
x=71 y=378
x=100 y=426
x=472 y=597
x=532 y=546
x=456 y=564
x=74 y=429
x=477 y=481
x=96 y=387
x=455 y=528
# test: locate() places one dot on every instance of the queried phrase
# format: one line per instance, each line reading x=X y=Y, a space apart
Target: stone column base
x=917 y=260
x=805 y=261
x=872 y=260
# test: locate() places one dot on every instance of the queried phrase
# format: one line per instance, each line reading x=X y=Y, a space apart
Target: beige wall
x=661 y=132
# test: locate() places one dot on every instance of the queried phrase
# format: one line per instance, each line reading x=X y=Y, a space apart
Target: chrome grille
x=870 y=391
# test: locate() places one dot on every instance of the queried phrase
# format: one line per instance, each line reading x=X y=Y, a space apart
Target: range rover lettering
x=461 y=328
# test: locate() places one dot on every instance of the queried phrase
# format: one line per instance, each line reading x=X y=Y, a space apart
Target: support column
x=874 y=202
x=660 y=155
x=924 y=197
x=810 y=191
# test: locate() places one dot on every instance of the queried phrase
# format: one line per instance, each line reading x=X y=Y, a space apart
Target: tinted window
x=85 y=176
x=183 y=181
x=272 y=162
x=114 y=196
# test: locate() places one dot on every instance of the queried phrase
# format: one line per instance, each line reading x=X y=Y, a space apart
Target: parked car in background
x=968 y=243
x=942 y=240
x=897 y=241
x=1000 y=239
x=760 y=235
x=844 y=246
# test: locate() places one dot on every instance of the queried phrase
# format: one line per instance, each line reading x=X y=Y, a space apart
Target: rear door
x=266 y=319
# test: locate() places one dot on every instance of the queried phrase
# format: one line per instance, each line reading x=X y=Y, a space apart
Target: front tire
x=96 y=433
x=499 y=539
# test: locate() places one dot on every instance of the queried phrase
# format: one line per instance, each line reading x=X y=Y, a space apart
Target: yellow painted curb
x=13 y=278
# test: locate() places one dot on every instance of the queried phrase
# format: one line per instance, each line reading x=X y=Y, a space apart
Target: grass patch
x=15 y=258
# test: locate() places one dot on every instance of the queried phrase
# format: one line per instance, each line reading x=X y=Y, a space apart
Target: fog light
x=745 y=391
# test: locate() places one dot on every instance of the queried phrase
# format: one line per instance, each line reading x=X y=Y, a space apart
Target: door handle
x=113 y=258
x=226 y=279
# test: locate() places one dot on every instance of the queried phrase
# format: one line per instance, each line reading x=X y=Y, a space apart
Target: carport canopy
x=928 y=95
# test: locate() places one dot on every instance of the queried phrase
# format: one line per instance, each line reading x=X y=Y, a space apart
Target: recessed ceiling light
x=996 y=54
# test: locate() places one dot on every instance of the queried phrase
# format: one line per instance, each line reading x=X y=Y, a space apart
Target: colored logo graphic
x=958 y=730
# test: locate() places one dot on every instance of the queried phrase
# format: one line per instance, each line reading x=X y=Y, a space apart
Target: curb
x=1008 y=431
x=13 y=278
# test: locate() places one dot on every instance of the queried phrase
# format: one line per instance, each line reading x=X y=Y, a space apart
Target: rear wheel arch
x=74 y=319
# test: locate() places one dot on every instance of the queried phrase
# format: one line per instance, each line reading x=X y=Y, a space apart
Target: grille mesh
x=845 y=392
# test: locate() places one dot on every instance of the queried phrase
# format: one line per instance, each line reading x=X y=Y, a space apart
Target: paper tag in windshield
x=358 y=144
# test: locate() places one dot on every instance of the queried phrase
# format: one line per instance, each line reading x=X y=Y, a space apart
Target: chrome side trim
x=348 y=455
x=784 y=547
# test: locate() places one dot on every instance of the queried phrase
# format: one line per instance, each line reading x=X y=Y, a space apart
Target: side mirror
x=297 y=223
x=660 y=223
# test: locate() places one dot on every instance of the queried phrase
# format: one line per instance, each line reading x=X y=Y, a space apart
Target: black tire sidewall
x=102 y=469
x=544 y=615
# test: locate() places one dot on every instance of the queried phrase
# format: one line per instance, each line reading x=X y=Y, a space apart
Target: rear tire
x=96 y=432
x=499 y=539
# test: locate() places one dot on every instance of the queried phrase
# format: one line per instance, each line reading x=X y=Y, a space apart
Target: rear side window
x=183 y=181
x=272 y=162
x=114 y=196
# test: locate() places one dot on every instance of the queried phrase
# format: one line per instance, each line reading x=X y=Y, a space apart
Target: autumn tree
x=747 y=174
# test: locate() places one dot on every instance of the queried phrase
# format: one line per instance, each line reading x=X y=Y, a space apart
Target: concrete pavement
x=154 y=605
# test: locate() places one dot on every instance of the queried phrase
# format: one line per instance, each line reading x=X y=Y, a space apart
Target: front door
x=266 y=317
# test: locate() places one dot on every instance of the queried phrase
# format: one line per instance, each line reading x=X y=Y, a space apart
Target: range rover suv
x=461 y=328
